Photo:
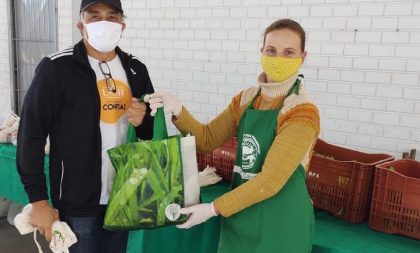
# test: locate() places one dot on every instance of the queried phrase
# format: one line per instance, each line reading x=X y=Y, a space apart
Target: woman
x=277 y=124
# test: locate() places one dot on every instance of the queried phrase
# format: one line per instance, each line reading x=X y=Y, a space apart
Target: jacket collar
x=80 y=54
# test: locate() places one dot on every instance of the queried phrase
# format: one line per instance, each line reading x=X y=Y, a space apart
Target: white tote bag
x=190 y=170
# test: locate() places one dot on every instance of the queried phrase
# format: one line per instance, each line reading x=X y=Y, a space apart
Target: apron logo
x=250 y=151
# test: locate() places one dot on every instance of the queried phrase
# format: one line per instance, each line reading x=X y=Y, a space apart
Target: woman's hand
x=198 y=214
x=164 y=99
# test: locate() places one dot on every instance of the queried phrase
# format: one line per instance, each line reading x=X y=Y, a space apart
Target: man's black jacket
x=63 y=102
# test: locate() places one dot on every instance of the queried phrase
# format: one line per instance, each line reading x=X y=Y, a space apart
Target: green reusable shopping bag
x=148 y=189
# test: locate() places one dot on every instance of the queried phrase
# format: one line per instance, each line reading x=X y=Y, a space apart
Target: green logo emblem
x=250 y=151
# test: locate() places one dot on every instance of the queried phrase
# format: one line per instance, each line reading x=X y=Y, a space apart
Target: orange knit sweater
x=297 y=131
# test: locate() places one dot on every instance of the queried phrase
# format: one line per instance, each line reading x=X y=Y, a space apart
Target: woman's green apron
x=282 y=223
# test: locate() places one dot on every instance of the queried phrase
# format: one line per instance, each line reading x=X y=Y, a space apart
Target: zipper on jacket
x=61 y=180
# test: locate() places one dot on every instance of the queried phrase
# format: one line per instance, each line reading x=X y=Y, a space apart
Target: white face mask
x=103 y=35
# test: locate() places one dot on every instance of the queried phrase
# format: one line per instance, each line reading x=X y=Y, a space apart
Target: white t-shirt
x=113 y=121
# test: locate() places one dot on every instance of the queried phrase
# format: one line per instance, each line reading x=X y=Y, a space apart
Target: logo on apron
x=250 y=151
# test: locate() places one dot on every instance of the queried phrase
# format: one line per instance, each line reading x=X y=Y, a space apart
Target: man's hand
x=136 y=112
x=42 y=217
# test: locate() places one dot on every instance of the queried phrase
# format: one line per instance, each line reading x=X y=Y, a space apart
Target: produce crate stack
x=340 y=180
x=222 y=158
x=396 y=198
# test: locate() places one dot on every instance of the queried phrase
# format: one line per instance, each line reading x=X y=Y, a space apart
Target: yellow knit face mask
x=279 y=68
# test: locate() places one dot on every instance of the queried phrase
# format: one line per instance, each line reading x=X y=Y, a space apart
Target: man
x=83 y=98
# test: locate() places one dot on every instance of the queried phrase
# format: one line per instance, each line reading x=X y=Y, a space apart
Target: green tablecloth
x=331 y=235
x=337 y=236
x=203 y=238
x=10 y=185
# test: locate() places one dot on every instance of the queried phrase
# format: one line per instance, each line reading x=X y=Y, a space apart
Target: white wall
x=5 y=66
x=64 y=39
x=362 y=68
x=76 y=17
x=65 y=24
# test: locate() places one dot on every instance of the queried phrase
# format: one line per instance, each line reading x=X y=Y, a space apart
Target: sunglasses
x=110 y=82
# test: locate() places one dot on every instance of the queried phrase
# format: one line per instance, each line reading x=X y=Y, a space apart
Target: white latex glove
x=164 y=99
x=198 y=214
x=208 y=176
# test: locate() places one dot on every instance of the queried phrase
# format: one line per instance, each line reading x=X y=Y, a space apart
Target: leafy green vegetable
x=148 y=179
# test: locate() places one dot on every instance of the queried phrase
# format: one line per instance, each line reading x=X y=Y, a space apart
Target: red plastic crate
x=227 y=150
x=396 y=198
x=222 y=158
x=342 y=185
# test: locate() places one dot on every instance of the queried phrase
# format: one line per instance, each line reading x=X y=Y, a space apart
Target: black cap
x=114 y=3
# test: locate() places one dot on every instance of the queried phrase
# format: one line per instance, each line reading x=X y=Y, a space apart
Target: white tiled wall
x=65 y=23
x=5 y=67
x=362 y=68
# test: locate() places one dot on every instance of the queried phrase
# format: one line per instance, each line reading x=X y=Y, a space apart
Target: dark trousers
x=93 y=238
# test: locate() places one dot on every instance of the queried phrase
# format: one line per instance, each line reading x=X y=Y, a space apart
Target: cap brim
x=97 y=2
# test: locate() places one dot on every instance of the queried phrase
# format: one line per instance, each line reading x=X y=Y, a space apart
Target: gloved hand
x=199 y=214
x=164 y=99
x=208 y=176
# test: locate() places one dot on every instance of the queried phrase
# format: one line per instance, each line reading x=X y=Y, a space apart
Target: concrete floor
x=12 y=242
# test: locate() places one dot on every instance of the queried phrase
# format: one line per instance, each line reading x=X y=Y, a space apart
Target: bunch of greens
x=148 y=178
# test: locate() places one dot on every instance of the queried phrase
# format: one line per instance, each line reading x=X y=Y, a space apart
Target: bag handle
x=131 y=134
x=160 y=132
